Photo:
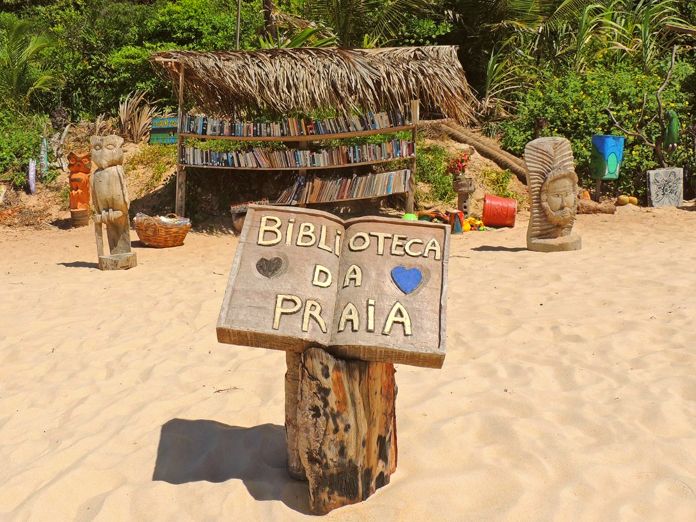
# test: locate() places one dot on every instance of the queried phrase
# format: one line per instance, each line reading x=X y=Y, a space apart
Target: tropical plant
x=352 y=20
x=23 y=72
x=501 y=80
x=135 y=114
x=308 y=37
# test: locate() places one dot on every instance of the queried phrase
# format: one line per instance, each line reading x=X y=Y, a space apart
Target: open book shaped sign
x=368 y=288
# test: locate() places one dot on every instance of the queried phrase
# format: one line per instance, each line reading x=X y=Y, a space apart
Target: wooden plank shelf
x=327 y=167
x=307 y=137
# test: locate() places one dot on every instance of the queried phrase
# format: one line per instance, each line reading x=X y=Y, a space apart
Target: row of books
x=295 y=158
x=206 y=126
x=321 y=189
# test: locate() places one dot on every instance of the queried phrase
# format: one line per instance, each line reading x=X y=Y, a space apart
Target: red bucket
x=499 y=212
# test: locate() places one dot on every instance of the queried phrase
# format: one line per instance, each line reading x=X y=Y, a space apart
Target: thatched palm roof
x=302 y=80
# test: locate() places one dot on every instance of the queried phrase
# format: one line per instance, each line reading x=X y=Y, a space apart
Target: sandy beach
x=568 y=391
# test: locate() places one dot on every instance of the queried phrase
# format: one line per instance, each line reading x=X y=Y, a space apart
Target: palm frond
x=283 y=81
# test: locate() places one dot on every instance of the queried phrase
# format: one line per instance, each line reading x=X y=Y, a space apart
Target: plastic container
x=607 y=155
x=410 y=217
x=499 y=212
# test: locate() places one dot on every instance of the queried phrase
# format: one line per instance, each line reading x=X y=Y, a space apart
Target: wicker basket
x=161 y=232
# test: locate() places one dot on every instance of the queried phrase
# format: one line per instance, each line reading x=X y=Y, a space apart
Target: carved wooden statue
x=110 y=202
x=553 y=187
x=80 y=167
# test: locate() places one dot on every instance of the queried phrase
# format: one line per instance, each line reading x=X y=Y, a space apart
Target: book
x=259 y=157
x=370 y=288
x=209 y=126
x=336 y=188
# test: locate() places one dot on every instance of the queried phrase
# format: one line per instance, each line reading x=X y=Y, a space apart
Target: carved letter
x=275 y=229
x=370 y=315
x=363 y=246
x=288 y=232
x=322 y=240
x=411 y=252
x=434 y=246
x=380 y=241
x=398 y=314
x=312 y=309
x=337 y=244
x=397 y=242
x=279 y=310
x=316 y=280
x=349 y=313
x=306 y=230
x=354 y=275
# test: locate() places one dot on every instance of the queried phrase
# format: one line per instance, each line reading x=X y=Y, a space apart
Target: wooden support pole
x=346 y=428
x=293 y=361
x=415 y=117
x=180 y=203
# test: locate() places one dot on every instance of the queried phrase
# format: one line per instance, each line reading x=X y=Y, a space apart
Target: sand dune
x=568 y=391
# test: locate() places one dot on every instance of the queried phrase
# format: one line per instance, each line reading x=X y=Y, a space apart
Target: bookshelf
x=297 y=138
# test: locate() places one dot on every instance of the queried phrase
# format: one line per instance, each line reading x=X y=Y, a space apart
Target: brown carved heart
x=269 y=267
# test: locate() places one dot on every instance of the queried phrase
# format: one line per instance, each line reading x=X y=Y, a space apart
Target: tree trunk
x=486 y=147
x=269 y=19
x=293 y=361
x=346 y=428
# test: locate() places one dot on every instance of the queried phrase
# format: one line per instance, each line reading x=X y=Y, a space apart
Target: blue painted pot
x=607 y=155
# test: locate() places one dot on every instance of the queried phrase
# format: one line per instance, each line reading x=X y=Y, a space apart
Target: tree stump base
x=118 y=261
x=341 y=427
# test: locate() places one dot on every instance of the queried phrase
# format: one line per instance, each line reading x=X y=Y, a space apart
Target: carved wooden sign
x=368 y=288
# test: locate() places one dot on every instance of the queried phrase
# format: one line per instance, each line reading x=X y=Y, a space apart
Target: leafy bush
x=431 y=168
x=498 y=183
x=205 y=25
x=103 y=46
x=158 y=159
x=20 y=141
x=574 y=106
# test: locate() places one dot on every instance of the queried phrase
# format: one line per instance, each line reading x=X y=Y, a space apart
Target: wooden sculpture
x=346 y=300
x=553 y=187
x=80 y=167
x=110 y=203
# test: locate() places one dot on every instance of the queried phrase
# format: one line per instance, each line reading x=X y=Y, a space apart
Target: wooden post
x=598 y=189
x=180 y=203
x=346 y=428
x=415 y=116
x=293 y=361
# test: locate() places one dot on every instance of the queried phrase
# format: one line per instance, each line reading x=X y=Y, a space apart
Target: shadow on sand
x=80 y=264
x=491 y=248
x=63 y=224
x=195 y=450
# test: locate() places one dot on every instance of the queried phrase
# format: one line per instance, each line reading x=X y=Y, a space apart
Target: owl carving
x=110 y=194
x=107 y=151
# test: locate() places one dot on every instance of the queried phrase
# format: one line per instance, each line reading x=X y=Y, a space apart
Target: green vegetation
x=539 y=66
x=574 y=106
x=20 y=138
x=157 y=160
x=431 y=168
x=497 y=182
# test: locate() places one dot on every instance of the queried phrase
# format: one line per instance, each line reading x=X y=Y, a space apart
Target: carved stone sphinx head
x=558 y=197
x=553 y=188
x=107 y=151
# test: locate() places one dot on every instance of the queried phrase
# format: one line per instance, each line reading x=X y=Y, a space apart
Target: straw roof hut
x=285 y=81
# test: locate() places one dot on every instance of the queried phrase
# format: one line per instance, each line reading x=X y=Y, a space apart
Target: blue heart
x=406 y=279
